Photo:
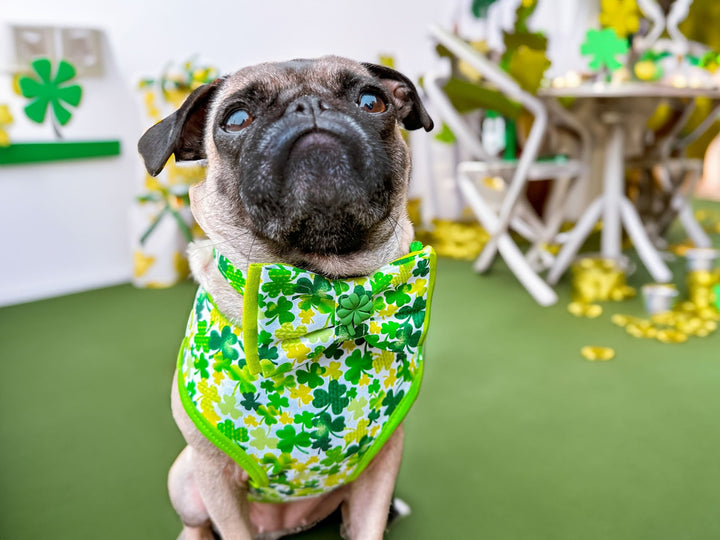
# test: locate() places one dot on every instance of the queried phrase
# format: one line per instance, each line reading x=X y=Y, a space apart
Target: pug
x=307 y=175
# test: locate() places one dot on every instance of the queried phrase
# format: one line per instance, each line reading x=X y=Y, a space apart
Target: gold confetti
x=594 y=353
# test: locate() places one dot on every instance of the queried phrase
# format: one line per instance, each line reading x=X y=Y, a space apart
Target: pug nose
x=307 y=106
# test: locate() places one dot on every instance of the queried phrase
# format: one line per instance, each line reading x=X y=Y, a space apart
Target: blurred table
x=619 y=111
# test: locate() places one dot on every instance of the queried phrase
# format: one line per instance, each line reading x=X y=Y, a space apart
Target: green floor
x=514 y=435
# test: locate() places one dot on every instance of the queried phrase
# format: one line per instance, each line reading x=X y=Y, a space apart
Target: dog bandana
x=318 y=377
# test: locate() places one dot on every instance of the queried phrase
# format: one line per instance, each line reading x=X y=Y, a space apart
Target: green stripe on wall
x=36 y=152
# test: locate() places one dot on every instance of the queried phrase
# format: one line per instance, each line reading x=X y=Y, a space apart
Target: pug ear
x=411 y=111
x=181 y=133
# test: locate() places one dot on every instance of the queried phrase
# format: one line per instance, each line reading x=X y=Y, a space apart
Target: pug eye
x=237 y=120
x=371 y=103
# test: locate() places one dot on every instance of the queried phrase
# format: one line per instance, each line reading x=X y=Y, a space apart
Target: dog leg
x=186 y=499
x=219 y=482
x=365 y=511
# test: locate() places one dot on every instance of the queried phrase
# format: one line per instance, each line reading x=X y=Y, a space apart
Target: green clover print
x=48 y=90
x=224 y=342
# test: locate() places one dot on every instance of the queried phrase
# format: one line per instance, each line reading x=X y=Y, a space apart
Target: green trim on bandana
x=318 y=378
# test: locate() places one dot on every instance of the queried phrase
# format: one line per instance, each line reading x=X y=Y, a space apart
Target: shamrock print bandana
x=305 y=393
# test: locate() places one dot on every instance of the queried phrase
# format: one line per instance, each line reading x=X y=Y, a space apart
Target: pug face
x=305 y=155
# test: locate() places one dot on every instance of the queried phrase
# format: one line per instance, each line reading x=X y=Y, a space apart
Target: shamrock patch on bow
x=353 y=309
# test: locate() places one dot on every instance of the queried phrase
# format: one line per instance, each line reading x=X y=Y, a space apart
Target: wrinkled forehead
x=326 y=75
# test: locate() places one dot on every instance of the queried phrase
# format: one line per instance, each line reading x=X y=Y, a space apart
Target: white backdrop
x=65 y=224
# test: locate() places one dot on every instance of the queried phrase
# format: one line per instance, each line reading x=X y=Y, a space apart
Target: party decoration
x=648 y=67
x=445 y=135
x=603 y=46
x=176 y=82
x=623 y=16
x=480 y=8
x=528 y=66
x=161 y=221
x=521 y=36
x=48 y=90
x=171 y=201
x=5 y=120
x=49 y=87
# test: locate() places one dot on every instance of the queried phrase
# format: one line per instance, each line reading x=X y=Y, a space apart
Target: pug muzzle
x=306 y=154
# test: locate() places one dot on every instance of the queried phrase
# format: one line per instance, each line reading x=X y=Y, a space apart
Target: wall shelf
x=38 y=152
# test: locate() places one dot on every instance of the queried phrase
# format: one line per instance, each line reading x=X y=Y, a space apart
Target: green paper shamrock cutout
x=46 y=90
x=480 y=8
x=604 y=46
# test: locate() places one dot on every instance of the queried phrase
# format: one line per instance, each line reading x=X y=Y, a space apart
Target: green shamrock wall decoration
x=480 y=8
x=603 y=46
x=48 y=90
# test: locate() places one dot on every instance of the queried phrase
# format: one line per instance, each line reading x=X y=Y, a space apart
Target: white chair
x=500 y=206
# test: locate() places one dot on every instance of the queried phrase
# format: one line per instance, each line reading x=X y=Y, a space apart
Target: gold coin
x=617 y=295
x=628 y=291
x=709 y=314
x=687 y=327
x=586 y=263
x=700 y=277
x=671 y=336
x=620 y=320
x=576 y=308
x=666 y=317
x=635 y=331
x=597 y=353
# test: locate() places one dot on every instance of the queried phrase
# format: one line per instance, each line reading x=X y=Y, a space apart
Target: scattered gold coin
x=597 y=353
x=621 y=320
x=581 y=309
x=671 y=336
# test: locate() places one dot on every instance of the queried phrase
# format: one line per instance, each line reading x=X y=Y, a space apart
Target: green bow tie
x=291 y=315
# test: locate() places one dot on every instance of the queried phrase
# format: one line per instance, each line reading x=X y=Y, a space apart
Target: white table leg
x=577 y=236
x=647 y=252
x=692 y=227
x=515 y=259
x=613 y=191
